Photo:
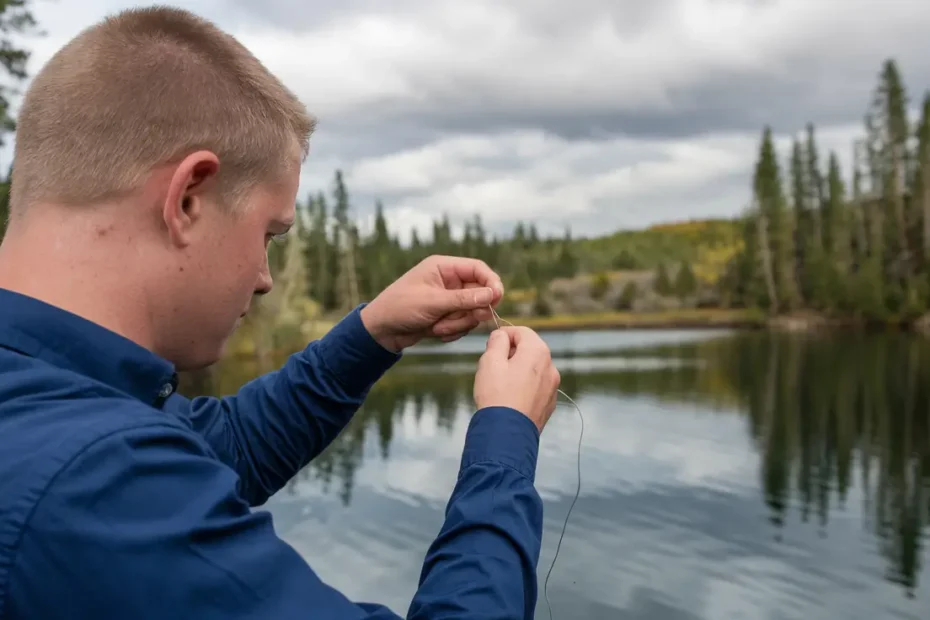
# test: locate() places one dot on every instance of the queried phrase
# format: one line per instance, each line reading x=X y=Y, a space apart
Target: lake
x=724 y=475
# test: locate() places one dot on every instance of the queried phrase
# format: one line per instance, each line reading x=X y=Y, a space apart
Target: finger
x=483 y=314
x=498 y=346
x=453 y=337
x=454 y=316
x=552 y=404
x=461 y=272
x=494 y=299
x=449 y=326
x=463 y=299
x=530 y=347
x=523 y=337
x=513 y=335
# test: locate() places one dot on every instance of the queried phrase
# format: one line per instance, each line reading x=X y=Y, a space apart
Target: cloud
x=591 y=66
x=597 y=114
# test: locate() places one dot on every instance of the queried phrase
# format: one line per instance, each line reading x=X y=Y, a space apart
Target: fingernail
x=483 y=297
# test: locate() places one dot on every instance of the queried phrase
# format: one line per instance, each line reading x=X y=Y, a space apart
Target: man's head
x=163 y=146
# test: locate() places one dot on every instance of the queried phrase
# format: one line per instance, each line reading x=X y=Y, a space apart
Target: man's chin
x=202 y=358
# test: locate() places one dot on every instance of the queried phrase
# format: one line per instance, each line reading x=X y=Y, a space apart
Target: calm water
x=724 y=475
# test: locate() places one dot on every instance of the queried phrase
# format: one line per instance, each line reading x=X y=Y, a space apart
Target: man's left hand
x=443 y=296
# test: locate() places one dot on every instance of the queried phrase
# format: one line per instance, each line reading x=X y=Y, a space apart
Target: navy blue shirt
x=120 y=498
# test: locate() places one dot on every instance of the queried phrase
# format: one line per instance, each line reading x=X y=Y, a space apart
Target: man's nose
x=264 y=284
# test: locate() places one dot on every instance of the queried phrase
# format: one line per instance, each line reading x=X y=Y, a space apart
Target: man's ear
x=191 y=184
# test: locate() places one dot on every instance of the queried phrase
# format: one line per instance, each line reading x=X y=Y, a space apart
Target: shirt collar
x=40 y=330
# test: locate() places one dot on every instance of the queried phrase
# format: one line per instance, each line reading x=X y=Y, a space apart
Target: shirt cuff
x=352 y=355
x=505 y=436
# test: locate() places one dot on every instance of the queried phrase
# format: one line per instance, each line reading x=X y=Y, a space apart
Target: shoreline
x=691 y=319
x=697 y=319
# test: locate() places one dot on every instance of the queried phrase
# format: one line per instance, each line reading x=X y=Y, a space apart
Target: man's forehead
x=277 y=201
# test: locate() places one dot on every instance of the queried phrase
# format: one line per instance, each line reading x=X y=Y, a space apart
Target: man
x=155 y=159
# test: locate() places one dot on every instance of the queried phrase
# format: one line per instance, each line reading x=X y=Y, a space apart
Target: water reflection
x=749 y=474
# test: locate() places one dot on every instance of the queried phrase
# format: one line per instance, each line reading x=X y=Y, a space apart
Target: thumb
x=466 y=299
x=498 y=347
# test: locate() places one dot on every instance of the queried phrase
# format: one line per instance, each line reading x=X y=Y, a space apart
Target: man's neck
x=69 y=264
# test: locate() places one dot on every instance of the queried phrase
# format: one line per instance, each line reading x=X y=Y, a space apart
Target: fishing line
x=497 y=321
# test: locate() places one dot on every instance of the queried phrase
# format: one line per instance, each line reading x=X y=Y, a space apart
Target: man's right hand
x=516 y=371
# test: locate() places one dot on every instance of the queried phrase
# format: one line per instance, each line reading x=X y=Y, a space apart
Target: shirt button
x=165 y=391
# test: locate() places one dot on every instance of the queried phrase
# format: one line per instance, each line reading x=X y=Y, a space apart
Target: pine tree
x=920 y=195
x=765 y=258
x=326 y=255
x=541 y=305
x=743 y=283
x=889 y=136
x=627 y=297
x=686 y=283
x=857 y=211
x=837 y=239
x=348 y=295
x=804 y=253
x=479 y=239
x=663 y=284
x=380 y=262
x=777 y=224
x=519 y=237
x=816 y=192
x=799 y=199
x=532 y=237
x=625 y=261
x=567 y=262
x=15 y=18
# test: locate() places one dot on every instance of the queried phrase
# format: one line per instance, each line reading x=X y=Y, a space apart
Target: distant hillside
x=707 y=245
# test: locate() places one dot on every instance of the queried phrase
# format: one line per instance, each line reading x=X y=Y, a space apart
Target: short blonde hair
x=146 y=87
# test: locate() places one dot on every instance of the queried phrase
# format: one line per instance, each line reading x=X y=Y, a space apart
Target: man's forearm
x=278 y=422
x=483 y=563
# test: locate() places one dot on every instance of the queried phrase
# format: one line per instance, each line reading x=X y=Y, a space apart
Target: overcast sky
x=598 y=114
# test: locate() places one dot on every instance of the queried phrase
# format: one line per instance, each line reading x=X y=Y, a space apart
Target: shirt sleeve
x=145 y=524
x=277 y=423
x=483 y=563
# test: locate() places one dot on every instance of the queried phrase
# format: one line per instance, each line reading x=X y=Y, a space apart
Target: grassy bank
x=671 y=319
x=703 y=318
